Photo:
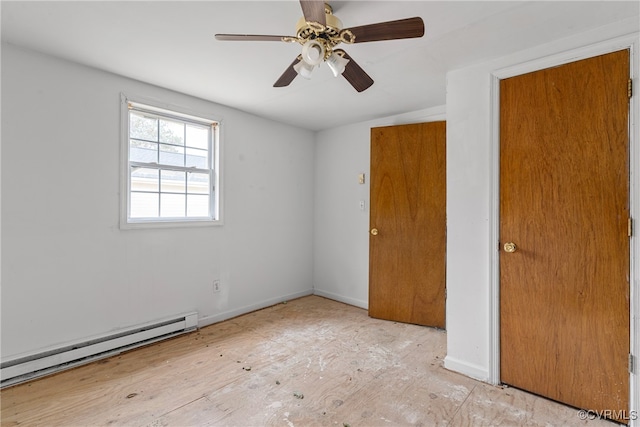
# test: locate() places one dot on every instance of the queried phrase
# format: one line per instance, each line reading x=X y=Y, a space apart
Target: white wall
x=341 y=236
x=69 y=272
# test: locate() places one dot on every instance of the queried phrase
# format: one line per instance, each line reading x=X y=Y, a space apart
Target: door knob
x=510 y=247
x=374 y=231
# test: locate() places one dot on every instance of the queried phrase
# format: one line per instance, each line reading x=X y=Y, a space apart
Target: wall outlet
x=216 y=286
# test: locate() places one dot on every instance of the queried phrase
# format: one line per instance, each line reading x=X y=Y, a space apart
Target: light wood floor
x=309 y=362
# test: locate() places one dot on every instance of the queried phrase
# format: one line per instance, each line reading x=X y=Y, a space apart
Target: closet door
x=564 y=233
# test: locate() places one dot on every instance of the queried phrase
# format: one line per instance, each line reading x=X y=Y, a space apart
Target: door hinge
x=630 y=227
x=631 y=363
x=630 y=88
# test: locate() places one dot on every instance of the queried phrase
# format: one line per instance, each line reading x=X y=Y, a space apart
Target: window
x=171 y=168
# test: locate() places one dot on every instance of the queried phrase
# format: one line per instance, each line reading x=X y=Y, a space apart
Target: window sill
x=137 y=225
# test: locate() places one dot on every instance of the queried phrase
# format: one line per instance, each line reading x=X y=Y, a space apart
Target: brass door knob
x=510 y=247
x=374 y=231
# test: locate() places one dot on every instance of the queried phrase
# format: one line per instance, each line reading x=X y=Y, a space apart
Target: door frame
x=619 y=43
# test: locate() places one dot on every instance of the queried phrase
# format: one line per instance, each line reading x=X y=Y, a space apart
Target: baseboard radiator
x=28 y=367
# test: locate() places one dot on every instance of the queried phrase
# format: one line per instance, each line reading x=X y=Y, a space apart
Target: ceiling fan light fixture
x=312 y=52
x=337 y=64
x=304 y=69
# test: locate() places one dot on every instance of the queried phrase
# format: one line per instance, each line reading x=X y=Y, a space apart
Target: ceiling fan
x=319 y=32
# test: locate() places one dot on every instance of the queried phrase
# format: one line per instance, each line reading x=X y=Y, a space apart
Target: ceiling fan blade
x=250 y=37
x=313 y=11
x=354 y=74
x=391 y=30
x=289 y=74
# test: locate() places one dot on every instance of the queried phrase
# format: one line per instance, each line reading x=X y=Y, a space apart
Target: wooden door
x=407 y=255
x=564 y=203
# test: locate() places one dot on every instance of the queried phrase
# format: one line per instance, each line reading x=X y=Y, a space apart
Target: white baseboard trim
x=209 y=320
x=346 y=300
x=469 y=369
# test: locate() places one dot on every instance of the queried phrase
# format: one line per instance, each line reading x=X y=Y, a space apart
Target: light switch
x=361 y=178
x=361 y=205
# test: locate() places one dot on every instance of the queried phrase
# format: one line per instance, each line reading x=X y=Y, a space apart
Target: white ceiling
x=171 y=44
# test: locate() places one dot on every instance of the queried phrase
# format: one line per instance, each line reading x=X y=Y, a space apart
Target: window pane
x=159 y=141
x=198 y=137
x=143 y=151
x=198 y=183
x=143 y=179
x=197 y=158
x=171 y=155
x=172 y=182
x=144 y=205
x=142 y=127
x=171 y=132
x=197 y=205
x=172 y=205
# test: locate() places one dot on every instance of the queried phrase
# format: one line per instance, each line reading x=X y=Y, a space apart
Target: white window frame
x=179 y=113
